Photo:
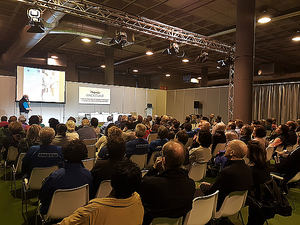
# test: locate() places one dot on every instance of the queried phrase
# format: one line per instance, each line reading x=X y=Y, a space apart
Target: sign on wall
x=89 y=95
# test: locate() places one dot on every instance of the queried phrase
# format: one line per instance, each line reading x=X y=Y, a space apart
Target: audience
x=71 y=133
x=72 y=175
x=218 y=135
x=3 y=122
x=292 y=136
x=203 y=152
x=86 y=132
x=166 y=189
x=156 y=145
x=246 y=132
x=259 y=134
x=123 y=206
x=139 y=145
x=183 y=138
x=32 y=138
x=282 y=133
x=94 y=125
x=103 y=140
x=60 y=138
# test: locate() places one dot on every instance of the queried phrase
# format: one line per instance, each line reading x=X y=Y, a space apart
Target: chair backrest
x=38 y=174
x=19 y=162
x=12 y=153
x=65 y=201
x=198 y=171
x=219 y=147
x=296 y=178
x=232 y=204
x=269 y=152
x=152 y=137
x=202 y=211
x=189 y=143
x=91 y=141
x=104 y=189
x=140 y=160
x=91 y=151
x=151 y=160
x=89 y=163
x=167 y=221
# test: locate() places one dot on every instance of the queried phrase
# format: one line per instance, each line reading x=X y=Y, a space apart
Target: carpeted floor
x=11 y=208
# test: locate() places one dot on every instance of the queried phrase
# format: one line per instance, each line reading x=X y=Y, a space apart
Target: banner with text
x=89 y=95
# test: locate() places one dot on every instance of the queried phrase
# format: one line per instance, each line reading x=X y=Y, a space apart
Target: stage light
x=135 y=71
x=54 y=57
x=194 y=81
x=259 y=72
x=202 y=58
x=199 y=78
x=168 y=75
x=264 y=18
x=120 y=40
x=36 y=26
x=86 y=40
x=174 y=50
x=103 y=66
x=296 y=37
x=185 y=60
x=149 y=52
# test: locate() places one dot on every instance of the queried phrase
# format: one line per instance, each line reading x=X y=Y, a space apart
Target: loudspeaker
x=149 y=105
x=197 y=105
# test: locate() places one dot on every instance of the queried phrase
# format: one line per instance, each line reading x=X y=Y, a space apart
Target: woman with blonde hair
x=71 y=133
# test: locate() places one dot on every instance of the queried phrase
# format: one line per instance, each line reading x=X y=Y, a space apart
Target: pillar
x=244 y=60
x=204 y=76
x=109 y=66
x=71 y=71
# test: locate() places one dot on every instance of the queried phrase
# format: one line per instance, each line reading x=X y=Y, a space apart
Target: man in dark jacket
x=86 y=132
x=166 y=190
x=24 y=106
x=138 y=146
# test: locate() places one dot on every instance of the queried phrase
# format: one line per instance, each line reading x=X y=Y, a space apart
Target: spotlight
x=296 y=37
x=103 y=66
x=185 y=60
x=135 y=71
x=149 y=52
x=202 y=58
x=54 y=57
x=36 y=26
x=86 y=40
x=174 y=50
x=194 y=81
x=168 y=75
x=199 y=78
x=120 y=40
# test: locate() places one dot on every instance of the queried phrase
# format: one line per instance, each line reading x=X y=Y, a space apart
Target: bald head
x=236 y=149
x=173 y=153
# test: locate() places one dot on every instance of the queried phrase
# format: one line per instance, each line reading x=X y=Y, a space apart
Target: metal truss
x=231 y=92
x=103 y=14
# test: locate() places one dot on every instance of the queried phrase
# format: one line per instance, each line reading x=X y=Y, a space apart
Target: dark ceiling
x=207 y=17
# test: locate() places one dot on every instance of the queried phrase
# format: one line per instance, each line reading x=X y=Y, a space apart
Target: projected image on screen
x=41 y=85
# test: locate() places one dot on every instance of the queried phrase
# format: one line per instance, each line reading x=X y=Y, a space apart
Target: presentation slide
x=41 y=85
x=89 y=95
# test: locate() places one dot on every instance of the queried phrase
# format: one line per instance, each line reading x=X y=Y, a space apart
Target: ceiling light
x=194 y=80
x=86 y=40
x=103 y=66
x=35 y=23
x=199 y=78
x=149 y=52
x=168 y=75
x=185 y=60
x=135 y=71
x=259 y=72
x=54 y=57
x=296 y=37
x=264 y=19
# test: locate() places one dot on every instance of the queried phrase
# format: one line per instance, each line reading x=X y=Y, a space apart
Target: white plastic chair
x=38 y=174
x=89 y=163
x=269 y=152
x=202 y=211
x=233 y=203
x=294 y=179
x=152 y=137
x=167 y=221
x=104 y=189
x=198 y=171
x=91 y=151
x=16 y=170
x=12 y=155
x=64 y=202
x=219 y=147
x=140 y=160
x=91 y=141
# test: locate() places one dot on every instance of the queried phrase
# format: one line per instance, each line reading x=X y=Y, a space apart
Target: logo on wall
x=89 y=95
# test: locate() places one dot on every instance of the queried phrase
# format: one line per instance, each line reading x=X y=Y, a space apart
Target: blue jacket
x=156 y=146
x=71 y=176
x=41 y=156
x=138 y=146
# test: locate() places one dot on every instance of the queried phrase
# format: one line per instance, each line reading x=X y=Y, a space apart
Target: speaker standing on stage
x=24 y=106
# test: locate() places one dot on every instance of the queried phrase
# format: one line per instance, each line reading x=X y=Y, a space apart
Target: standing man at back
x=166 y=190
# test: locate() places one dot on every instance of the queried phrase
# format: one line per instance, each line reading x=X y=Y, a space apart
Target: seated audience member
x=72 y=175
x=86 y=132
x=53 y=123
x=231 y=127
x=292 y=136
x=167 y=190
x=218 y=135
x=103 y=168
x=41 y=121
x=183 y=138
x=109 y=121
x=236 y=176
x=71 y=133
x=12 y=119
x=230 y=135
x=3 y=122
x=22 y=120
x=269 y=124
x=171 y=135
x=246 y=133
x=239 y=125
x=203 y=152
x=94 y=125
x=44 y=155
x=259 y=134
x=34 y=119
x=13 y=137
x=32 y=138
x=260 y=175
x=123 y=206
x=212 y=119
x=103 y=140
x=188 y=129
x=204 y=125
x=175 y=127
x=298 y=125
x=282 y=133
x=186 y=121
x=118 y=122
x=139 y=145
x=156 y=145
x=60 y=138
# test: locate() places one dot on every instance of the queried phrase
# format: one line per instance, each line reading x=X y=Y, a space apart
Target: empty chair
x=198 y=171
x=202 y=211
x=91 y=151
x=152 y=137
x=65 y=201
x=140 y=160
x=219 y=147
x=104 y=189
x=269 y=152
x=167 y=221
x=16 y=170
x=232 y=204
x=89 y=163
x=12 y=155
x=91 y=141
